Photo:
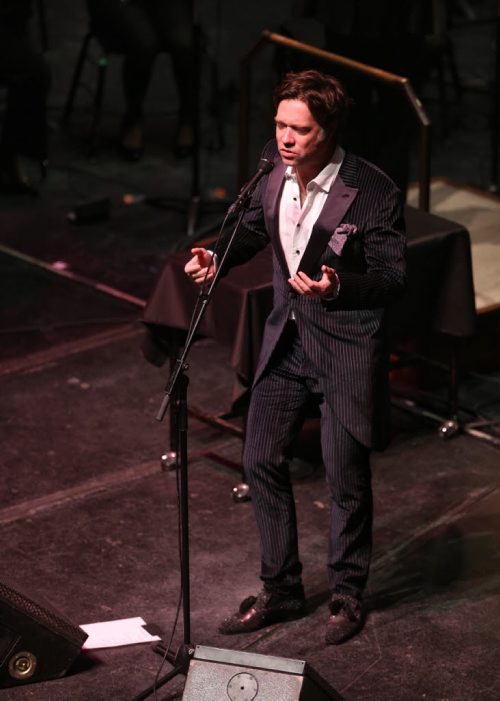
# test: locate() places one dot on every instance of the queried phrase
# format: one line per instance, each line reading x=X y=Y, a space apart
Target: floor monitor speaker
x=230 y=675
x=36 y=642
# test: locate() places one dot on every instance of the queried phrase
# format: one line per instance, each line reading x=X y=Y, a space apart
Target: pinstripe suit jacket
x=343 y=339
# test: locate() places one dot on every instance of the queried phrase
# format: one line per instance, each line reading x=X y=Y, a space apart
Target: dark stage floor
x=90 y=520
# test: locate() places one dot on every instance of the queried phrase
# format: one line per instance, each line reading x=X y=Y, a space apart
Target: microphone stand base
x=180 y=661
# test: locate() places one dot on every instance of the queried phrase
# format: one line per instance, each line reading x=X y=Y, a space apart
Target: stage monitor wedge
x=230 y=675
x=36 y=642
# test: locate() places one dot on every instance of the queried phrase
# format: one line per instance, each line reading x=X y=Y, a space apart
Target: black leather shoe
x=13 y=181
x=17 y=186
x=131 y=154
x=260 y=611
x=184 y=141
x=345 y=620
x=132 y=140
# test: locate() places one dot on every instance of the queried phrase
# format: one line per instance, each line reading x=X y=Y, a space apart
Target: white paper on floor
x=126 y=631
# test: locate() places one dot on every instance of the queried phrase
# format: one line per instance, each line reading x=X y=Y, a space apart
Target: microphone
x=265 y=167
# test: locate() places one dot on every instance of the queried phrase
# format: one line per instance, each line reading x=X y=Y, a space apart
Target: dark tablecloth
x=439 y=297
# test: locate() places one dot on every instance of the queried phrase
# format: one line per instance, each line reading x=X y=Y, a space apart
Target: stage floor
x=89 y=520
x=89 y=523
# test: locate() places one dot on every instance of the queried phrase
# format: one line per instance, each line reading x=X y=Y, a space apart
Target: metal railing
x=375 y=74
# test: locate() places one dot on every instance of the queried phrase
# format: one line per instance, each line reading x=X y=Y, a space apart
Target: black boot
x=12 y=179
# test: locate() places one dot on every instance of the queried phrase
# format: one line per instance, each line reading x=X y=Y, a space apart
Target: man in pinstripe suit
x=337 y=231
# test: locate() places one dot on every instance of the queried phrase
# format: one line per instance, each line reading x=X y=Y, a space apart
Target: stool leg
x=442 y=95
x=216 y=106
x=76 y=78
x=450 y=55
x=97 y=107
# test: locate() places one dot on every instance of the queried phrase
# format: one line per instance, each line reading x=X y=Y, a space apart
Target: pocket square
x=340 y=236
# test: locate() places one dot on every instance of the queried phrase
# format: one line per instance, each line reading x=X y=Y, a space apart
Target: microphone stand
x=176 y=397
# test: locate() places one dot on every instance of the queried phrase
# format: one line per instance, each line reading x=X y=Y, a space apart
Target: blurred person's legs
x=174 y=24
x=127 y=29
x=26 y=76
x=140 y=29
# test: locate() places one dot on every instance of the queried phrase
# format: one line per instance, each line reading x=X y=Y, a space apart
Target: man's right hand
x=201 y=267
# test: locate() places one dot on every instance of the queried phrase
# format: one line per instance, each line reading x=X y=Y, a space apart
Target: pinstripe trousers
x=276 y=411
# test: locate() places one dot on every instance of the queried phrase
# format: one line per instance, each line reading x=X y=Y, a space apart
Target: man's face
x=302 y=143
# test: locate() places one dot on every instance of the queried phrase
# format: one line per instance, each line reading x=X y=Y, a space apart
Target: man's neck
x=308 y=172
x=305 y=174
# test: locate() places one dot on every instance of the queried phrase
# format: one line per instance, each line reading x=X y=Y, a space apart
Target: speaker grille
x=43 y=615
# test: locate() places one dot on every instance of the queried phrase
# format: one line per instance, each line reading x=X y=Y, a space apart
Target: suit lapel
x=272 y=210
x=339 y=199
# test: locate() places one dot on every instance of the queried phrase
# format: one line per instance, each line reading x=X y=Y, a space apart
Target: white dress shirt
x=296 y=221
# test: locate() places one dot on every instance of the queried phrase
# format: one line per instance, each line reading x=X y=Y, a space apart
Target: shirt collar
x=325 y=178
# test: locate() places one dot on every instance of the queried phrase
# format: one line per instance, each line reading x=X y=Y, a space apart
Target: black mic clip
x=265 y=167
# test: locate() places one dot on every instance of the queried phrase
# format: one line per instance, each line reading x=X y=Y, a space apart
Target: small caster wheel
x=168 y=461
x=241 y=492
x=448 y=429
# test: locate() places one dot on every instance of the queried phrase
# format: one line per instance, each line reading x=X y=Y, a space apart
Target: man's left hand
x=326 y=288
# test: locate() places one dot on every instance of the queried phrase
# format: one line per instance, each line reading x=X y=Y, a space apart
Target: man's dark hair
x=324 y=95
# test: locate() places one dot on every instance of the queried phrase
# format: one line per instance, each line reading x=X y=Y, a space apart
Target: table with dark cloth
x=439 y=297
